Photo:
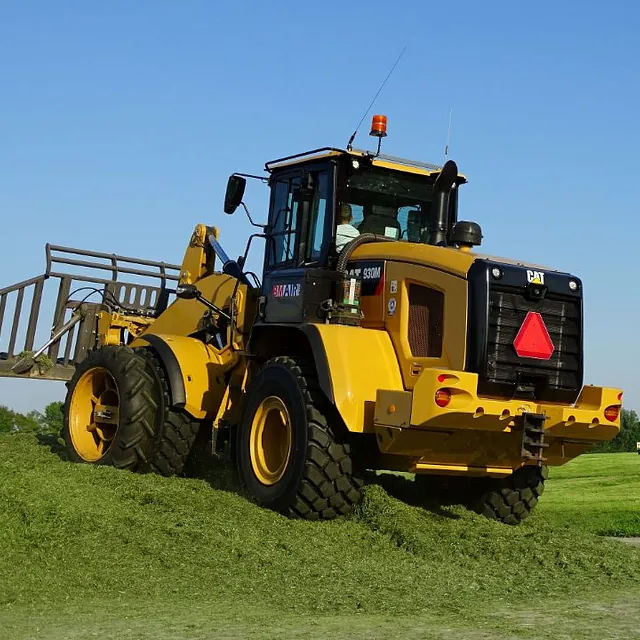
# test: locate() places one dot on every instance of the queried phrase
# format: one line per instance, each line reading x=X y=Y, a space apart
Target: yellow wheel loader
x=376 y=338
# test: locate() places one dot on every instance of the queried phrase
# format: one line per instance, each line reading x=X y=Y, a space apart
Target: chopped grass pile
x=72 y=534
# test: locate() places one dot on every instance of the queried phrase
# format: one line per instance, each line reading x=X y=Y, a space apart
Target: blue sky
x=121 y=121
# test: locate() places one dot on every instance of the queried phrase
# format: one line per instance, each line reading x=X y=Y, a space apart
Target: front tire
x=110 y=410
x=289 y=457
x=171 y=447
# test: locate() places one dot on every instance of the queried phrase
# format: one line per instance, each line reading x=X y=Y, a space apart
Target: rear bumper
x=404 y=411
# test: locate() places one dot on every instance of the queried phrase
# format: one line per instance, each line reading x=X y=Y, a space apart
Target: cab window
x=300 y=222
x=281 y=246
x=318 y=221
x=387 y=203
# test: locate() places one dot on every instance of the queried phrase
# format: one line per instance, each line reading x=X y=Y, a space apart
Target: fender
x=360 y=361
x=352 y=363
x=195 y=371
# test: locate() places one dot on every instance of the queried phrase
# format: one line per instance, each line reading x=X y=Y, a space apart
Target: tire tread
x=330 y=485
x=511 y=500
x=178 y=432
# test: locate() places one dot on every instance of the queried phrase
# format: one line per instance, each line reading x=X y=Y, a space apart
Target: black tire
x=177 y=431
x=320 y=479
x=511 y=500
x=126 y=374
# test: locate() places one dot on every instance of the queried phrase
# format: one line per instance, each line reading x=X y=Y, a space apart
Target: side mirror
x=234 y=194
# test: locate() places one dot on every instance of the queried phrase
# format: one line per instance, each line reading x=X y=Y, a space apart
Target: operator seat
x=377 y=219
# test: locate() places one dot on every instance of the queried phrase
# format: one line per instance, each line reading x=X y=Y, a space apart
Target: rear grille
x=426 y=308
x=556 y=378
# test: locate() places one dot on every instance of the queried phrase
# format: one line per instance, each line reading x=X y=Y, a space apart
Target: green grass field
x=94 y=552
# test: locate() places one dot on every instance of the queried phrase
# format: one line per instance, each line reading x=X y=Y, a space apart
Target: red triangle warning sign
x=533 y=340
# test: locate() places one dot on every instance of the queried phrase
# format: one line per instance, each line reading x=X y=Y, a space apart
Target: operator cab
x=323 y=199
x=385 y=195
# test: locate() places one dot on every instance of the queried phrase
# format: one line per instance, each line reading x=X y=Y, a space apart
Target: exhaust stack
x=441 y=193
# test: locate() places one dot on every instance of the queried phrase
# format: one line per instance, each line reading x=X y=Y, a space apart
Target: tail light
x=443 y=397
x=611 y=413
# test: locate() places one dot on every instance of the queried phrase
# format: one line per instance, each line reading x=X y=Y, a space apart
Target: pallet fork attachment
x=131 y=287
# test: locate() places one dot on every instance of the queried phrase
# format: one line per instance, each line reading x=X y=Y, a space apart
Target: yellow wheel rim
x=94 y=413
x=270 y=440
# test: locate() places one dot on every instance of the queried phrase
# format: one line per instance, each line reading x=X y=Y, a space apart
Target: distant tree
x=14 y=422
x=52 y=418
x=47 y=423
x=7 y=419
x=627 y=438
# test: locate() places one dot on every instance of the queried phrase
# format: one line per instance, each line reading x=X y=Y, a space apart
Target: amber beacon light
x=378 y=126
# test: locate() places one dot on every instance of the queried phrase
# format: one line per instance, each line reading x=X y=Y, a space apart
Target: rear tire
x=110 y=410
x=177 y=433
x=511 y=500
x=289 y=458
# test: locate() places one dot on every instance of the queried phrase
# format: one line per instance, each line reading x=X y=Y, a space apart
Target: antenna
x=446 y=146
x=395 y=64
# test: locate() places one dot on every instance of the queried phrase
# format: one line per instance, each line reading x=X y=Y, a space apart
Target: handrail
x=22 y=285
x=96 y=280
x=118 y=264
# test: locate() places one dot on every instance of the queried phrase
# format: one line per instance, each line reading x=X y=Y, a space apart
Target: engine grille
x=426 y=308
x=556 y=378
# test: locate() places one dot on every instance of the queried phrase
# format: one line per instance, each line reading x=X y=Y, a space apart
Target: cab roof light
x=378 y=126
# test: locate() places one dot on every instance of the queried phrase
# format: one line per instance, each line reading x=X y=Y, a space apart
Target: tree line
x=49 y=422
x=626 y=439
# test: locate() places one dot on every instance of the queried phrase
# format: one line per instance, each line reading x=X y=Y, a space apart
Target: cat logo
x=535 y=277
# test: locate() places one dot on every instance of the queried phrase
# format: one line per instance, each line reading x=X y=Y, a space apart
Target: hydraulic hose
x=365 y=238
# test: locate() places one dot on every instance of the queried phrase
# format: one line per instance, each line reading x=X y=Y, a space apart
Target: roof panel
x=382 y=160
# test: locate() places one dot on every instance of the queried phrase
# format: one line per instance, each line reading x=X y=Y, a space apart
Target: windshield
x=390 y=203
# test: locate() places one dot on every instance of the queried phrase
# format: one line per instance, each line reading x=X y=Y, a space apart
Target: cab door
x=299 y=238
